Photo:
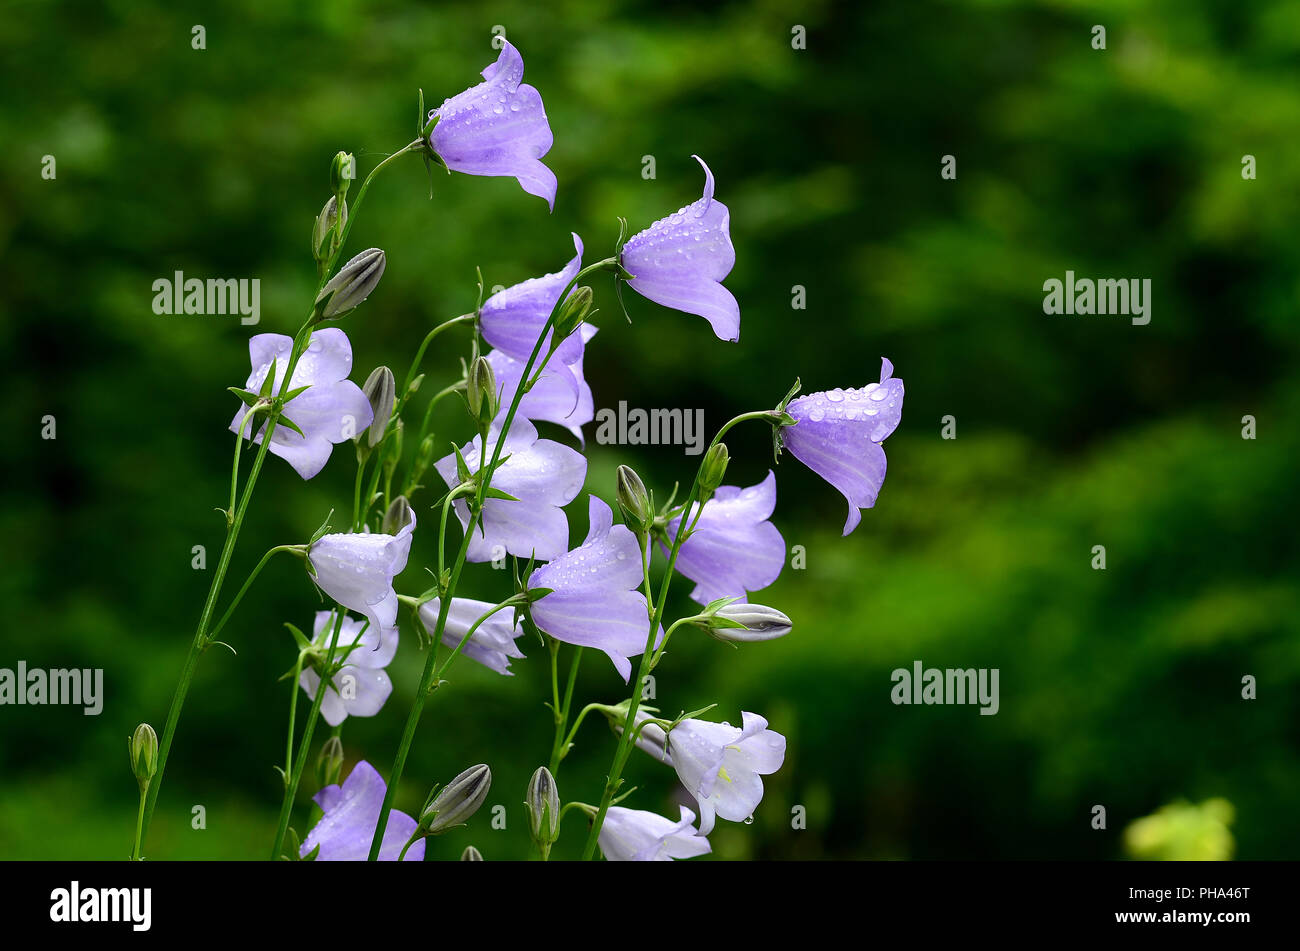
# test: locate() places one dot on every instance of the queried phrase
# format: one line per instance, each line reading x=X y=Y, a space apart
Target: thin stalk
x=625 y=740
x=421 y=695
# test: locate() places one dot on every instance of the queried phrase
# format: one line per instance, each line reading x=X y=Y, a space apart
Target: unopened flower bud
x=381 y=390
x=322 y=234
x=342 y=170
x=758 y=623
x=423 y=459
x=573 y=312
x=397 y=517
x=481 y=393
x=457 y=801
x=471 y=854
x=351 y=285
x=634 y=501
x=714 y=467
x=143 y=747
x=329 y=762
x=543 y=804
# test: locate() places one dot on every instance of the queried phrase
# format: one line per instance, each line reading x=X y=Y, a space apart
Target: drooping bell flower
x=680 y=261
x=722 y=766
x=497 y=128
x=552 y=398
x=346 y=829
x=838 y=434
x=493 y=644
x=357 y=569
x=361 y=685
x=734 y=549
x=541 y=474
x=332 y=410
x=593 y=600
x=634 y=835
x=512 y=319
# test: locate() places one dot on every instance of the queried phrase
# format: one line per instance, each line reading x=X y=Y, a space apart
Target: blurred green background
x=1119 y=687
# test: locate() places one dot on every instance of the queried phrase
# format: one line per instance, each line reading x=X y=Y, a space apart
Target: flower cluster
x=509 y=488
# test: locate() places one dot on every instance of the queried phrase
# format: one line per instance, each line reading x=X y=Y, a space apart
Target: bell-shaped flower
x=734 y=549
x=351 y=816
x=552 y=398
x=360 y=687
x=541 y=474
x=594 y=600
x=357 y=570
x=492 y=645
x=722 y=766
x=634 y=835
x=838 y=434
x=512 y=319
x=498 y=127
x=332 y=410
x=680 y=261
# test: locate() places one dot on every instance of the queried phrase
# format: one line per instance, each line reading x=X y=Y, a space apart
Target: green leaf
x=250 y=398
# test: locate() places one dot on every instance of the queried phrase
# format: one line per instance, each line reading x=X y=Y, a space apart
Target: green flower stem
x=419 y=355
x=361 y=195
x=295 y=774
x=625 y=739
x=446 y=595
x=139 y=824
x=293 y=710
x=234 y=522
x=248 y=583
x=356 y=490
x=201 y=638
x=560 y=748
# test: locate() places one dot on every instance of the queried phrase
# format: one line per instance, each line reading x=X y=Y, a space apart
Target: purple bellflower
x=512 y=319
x=734 y=548
x=552 y=398
x=838 y=435
x=541 y=474
x=357 y=571
x=351 y=816
x=593 y=600
x=634 y=835
x=493 y=644
x=722 y=766
x=332 y=410
x=498 y=127
x=680 y=261
x=361 y=686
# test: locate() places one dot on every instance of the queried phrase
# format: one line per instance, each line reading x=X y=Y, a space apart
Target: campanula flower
x=541 y=474
x=357 y=570
x=634 y=835
x=838 y=434
x=593 y=600
x=332 y=410
x=492 y=645
x=512 y=319
x=552 y=398
x=351 y=815
x=679 y=262
x=498 y=127
x=722 y=766
x=361 y=686
x=734 y=549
